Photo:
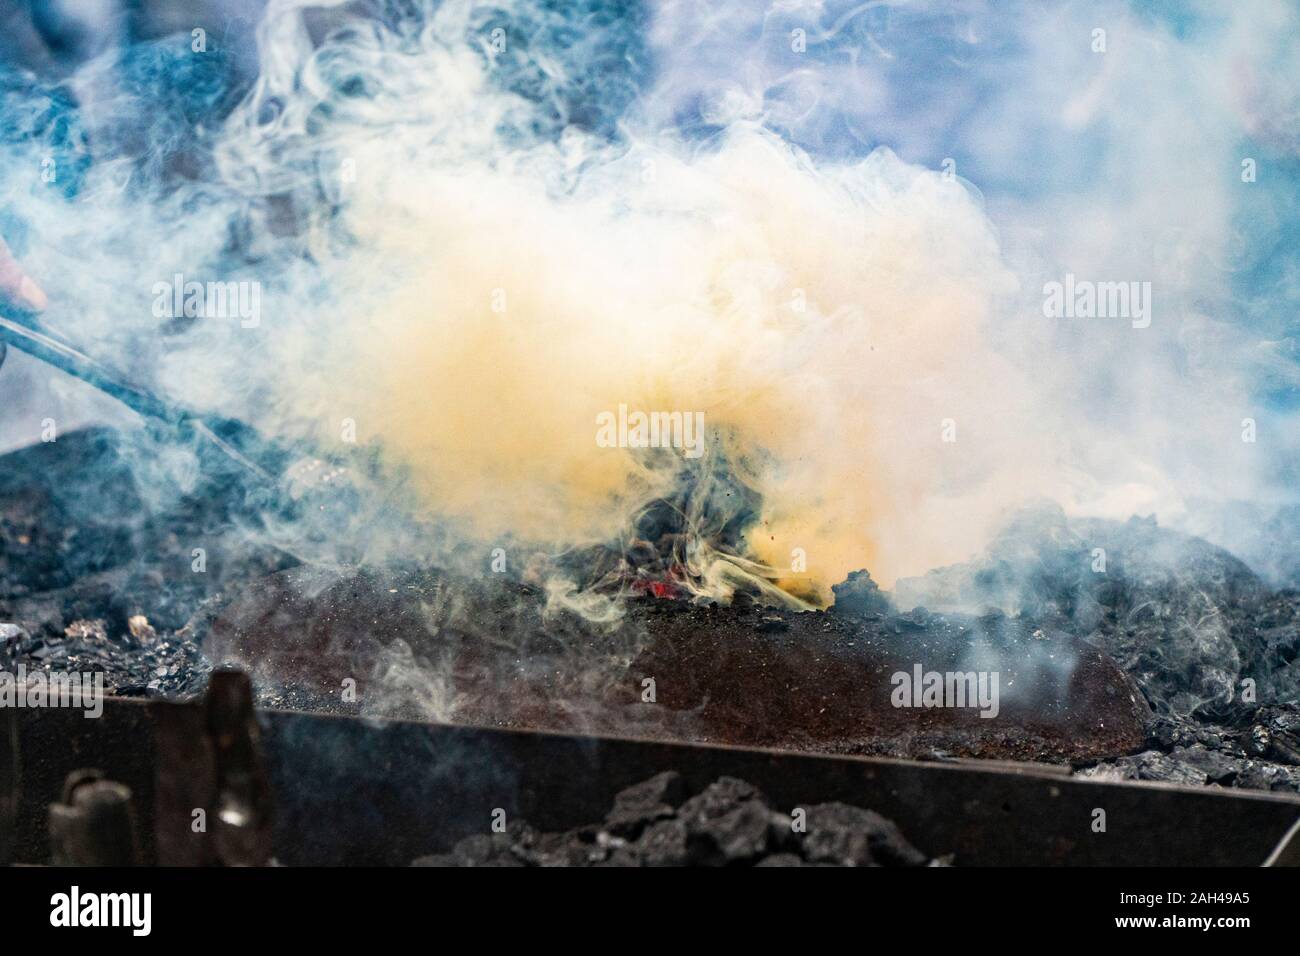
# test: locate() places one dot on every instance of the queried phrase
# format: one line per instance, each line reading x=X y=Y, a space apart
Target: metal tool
x=93 y=824
x=288 y=480
x=1287 y=851
x=213 y=804
x=224 y=434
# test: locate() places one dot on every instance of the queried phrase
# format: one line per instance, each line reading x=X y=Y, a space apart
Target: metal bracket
x=93 y=825
x=213 y=800
x=1287 y=851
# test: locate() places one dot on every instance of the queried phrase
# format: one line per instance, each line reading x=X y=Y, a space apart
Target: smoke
x=501 y=291
x=478 y=227
x=1110 y=142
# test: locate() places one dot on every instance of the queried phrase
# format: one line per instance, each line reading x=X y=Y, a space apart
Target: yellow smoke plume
x=826 y=321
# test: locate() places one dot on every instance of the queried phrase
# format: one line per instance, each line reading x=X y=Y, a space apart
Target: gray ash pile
x=729 y=823
x=137 y=662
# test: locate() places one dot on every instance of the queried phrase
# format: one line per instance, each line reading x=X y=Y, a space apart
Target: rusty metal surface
x=181 y=741
x=93 y=824
x=746 y=675
x=214 y=804
x=9 y=777
x=54 y=741
x=370 y=792
x=982 y=815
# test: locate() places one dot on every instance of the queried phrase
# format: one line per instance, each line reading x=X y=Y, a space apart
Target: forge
x=468 y=669
x=648 y=433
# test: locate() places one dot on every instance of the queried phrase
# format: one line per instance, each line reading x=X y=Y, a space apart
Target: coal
x=1256 y=750
x=98 y=576
x=666 y=843
x=729 y=823
x=858 y=594
x=644 y=804
x=1197 y=766
x=1186 y=619
x=1151 y=765
x=1213 y=647
x=843 y=835
x=136 y=663
x=1275 y=733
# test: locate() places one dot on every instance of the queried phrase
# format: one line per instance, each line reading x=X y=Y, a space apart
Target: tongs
x=25 y=333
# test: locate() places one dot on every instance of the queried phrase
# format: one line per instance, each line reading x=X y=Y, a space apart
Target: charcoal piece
x=638 y=806
x=557 y=849
x=1167 y=732
x=771 y=624
x=1285 y=748
x=1263 y=775
x=1276 y=733
x=727 y=823
x=480 y=849
x=1153 y=765
x=662 y=844
x=850 y=836
x=859 y=595
x=719 y=798
x=1218 y=767
x=734 y=837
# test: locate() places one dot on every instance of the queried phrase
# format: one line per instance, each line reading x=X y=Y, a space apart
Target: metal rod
x=48 y=348
x=29 y=337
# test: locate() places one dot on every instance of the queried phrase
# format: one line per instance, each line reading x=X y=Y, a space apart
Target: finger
x=17 y=286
